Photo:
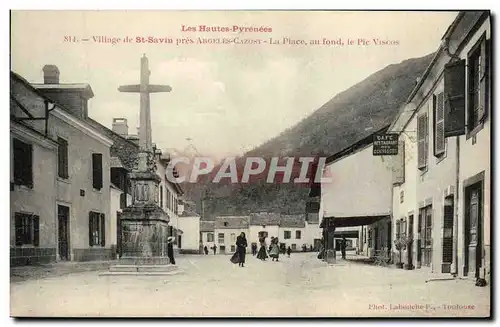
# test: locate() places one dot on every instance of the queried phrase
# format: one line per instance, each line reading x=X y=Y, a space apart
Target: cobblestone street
x=212 y=286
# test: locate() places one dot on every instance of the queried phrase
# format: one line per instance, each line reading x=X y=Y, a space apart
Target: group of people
x=273 y=251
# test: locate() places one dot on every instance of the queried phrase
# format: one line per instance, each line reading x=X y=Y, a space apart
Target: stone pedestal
x=144 y=230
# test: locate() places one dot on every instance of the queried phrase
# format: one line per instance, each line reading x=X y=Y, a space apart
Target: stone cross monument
x=144 y=223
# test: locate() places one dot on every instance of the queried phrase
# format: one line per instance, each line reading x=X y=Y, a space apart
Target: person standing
x=289 y=251
x=170 y=250
x=205 y=249
x=274 y=251
x=215 y=249
x=262 y=255
x=343 y=246
x=241 y=246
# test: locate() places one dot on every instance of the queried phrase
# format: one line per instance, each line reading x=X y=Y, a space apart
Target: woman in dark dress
x=170 y=250
x=262 y=255
x=241 y=248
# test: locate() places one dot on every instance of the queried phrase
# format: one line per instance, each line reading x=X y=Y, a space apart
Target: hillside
x=348 y=117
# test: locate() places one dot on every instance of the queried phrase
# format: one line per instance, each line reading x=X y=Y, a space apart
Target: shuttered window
x=439 y=140
x=27 y=229
x=478 y=83
x=454 y=98
x=423 y=140
x=23 y=163
x=97 y=173
x=62 y=158
x=97 y=229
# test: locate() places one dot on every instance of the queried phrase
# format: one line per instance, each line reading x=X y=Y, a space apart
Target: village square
x=105 y=222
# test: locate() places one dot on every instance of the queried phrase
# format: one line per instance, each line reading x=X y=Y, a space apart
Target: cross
x=145 y=142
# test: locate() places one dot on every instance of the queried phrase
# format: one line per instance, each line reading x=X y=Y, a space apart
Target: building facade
x=207 y=230
x=441 y=200
x=227 y=229
x=81 y=219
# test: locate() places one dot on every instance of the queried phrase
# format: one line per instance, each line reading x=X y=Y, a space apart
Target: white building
x=226 y=229
x=292 y=232
x=360 y=194
x=263 y=224
x=189 y=242
x=207 y=229
x=442 y=197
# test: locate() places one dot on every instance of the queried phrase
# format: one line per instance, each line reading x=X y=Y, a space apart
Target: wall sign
x=385 y=144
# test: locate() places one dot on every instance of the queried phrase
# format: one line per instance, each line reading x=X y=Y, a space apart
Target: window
x=439 y=139
x=97 y=230
x=97 y=171
x=27 y=228
x=221 y=238
x=233 y=248
x=233 y=237
x=23 y=163
x=423 y=140
x=288 y=235
x=210 y=237
x=297 y=234
x=294 y=247
x=62 y=158
x=477 y=85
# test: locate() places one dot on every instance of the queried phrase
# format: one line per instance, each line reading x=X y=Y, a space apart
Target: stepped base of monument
x=145 y=270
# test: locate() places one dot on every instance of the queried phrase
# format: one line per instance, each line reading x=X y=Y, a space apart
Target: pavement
x=211 y=286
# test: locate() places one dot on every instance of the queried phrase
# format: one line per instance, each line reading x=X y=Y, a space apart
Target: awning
x=352 y=221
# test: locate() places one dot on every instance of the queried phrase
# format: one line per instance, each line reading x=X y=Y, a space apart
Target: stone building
x=60 y=188
x=292 y=232
x=442 y=199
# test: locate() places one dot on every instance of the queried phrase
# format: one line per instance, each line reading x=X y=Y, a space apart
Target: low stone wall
x=93 y=254
x=20 y=256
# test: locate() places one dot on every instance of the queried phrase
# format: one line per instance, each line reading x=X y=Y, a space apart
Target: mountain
x=347 y=118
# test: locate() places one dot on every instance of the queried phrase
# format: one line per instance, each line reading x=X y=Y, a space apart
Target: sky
x=226 y=98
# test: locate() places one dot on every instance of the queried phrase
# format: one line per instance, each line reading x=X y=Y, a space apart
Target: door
x=410 y=244
x=473 y=232
x=179 y=241
x=119 y=234
x=63 y=233
x=447 y=235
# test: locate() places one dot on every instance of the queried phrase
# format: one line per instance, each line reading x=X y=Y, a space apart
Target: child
x=288 y=251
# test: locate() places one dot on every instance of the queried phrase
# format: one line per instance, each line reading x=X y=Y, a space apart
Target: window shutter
x=19 y=228
x=454 y=99
x=439 y=140
x=484 y=80
x=91 y=224
x=398 y=165
x=97 y=170
x=421 y=136
x=103 y=229
x=36 y=230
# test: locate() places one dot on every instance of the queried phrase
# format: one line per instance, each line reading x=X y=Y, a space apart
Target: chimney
x=50 y=74
x=120 y=126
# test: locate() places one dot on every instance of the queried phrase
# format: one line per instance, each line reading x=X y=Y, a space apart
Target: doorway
x=63 y=232
x=447 y=234
x=179 y=241
x=473 y=228
x=410 y=243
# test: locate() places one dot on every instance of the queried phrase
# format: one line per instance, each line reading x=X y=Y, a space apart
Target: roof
x=313 y=218
x=265 y=218
x=355 y=146
x=207 y=226
x=231 y=222
x=189 y=213
x=115 y=162
x=72 y=86
x=297 y=220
